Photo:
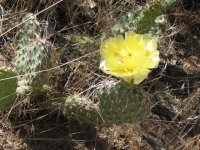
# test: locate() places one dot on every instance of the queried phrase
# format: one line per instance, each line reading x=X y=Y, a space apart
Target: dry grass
x=172 y=89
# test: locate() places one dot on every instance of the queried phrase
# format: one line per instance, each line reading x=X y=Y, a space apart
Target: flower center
x=125 y=63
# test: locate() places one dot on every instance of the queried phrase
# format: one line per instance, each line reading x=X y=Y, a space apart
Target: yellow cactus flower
x=130 y=58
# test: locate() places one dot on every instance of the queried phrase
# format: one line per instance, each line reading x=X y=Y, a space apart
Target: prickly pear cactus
x=148 y=20
x=7 y=88
x=145 y=22
x=116 y=104
x=30 y=57
x=120 y=104
x=81 y=109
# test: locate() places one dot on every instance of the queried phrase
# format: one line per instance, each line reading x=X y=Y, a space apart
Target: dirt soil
x=173 y=91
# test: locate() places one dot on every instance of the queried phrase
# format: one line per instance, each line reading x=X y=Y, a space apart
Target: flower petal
x=129 y=58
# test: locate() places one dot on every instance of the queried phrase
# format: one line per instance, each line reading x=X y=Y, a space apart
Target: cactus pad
x=7 y=88
x=145 y=20
x=115 y=104
x=30 y=56
x=121 y=104
x=81 y=108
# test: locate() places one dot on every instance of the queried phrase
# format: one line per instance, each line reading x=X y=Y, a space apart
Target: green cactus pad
x=81 y=109
x=121 y=104
x=144 y=21
x=7 y=88
x=115 y=104
x=31 y=57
